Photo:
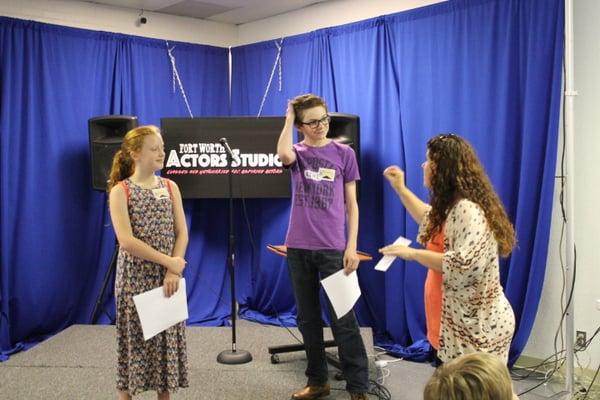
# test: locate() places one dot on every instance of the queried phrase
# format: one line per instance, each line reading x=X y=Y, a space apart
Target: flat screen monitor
x=197 y=161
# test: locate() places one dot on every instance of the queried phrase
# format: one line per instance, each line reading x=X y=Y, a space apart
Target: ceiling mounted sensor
x=141 y=19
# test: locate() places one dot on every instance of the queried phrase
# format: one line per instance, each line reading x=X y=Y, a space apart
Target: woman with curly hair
x=467 y=213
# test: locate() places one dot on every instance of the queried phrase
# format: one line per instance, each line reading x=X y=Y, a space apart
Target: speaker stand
x=109 y=273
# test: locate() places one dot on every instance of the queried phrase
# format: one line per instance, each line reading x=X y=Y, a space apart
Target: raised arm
x=136 y=247
x=285 y=150
x=415 y=206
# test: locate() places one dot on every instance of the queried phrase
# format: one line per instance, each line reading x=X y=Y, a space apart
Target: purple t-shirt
x=318 y=216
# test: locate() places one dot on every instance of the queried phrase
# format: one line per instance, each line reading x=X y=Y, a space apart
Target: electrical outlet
x=580 y=340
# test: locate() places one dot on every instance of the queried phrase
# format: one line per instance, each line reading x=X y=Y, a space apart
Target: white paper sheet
x=158 y=312
x=342 y=290
x=386 y=261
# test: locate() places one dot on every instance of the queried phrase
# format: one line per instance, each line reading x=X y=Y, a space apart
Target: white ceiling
x=227 y=11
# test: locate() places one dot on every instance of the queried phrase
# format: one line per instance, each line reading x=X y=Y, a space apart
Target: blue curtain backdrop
x=489 y=70
x=56 y=237
x=486 y=69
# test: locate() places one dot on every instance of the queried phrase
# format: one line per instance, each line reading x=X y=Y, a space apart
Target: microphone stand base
x=234 y=357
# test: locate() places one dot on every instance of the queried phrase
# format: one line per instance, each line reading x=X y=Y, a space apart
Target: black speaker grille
x=106 y=134
x=343 y=128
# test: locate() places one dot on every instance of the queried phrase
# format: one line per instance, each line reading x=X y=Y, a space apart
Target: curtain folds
x=489 y=70
x=56 y=236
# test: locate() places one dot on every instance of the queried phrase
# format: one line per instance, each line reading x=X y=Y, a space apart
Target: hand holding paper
x=343 y=291
x=158 y=312
x=386 y=261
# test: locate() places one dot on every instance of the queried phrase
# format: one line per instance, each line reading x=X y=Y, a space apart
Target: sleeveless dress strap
x=167 y=182
x=126 y=189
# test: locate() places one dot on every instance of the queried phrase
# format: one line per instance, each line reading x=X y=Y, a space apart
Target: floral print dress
x=476 y=316
x=159 y=363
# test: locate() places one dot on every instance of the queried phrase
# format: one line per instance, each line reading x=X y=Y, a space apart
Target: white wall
x=323 y=15
x=587 y=114
x=115 y=19
x=122 y=20
x=587 y=198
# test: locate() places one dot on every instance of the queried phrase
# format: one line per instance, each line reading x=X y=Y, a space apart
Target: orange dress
x=433 y=294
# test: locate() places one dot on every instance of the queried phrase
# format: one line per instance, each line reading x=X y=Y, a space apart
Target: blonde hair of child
x=475 y=376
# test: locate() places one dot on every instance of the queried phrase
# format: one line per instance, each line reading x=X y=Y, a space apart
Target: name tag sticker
x=160 y=193
x=327 y=174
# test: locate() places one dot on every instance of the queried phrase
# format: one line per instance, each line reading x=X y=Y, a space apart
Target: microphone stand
x=233 y=356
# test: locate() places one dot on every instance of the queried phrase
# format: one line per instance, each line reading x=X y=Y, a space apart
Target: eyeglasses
x=447 y=136
x=314 y=124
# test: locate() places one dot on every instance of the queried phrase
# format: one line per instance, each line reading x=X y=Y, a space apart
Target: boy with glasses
x=324 y=175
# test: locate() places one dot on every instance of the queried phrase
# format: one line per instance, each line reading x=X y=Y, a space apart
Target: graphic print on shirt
x=316 y=189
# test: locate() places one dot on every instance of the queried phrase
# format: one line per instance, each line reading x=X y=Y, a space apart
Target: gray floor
x=406 y=380
x=79 y=363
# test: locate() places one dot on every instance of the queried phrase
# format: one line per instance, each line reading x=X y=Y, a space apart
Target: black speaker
x=345 y=128
x=106 y=135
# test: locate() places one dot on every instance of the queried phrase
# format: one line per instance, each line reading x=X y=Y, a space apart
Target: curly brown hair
x=457 y=173
x=123 y=166
x=304 y=102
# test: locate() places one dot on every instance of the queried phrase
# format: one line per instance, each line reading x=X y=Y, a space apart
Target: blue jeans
x=307 y=268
